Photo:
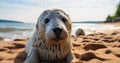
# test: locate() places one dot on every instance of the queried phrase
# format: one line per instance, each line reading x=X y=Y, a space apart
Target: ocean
x=16 y=30
x=23 y=30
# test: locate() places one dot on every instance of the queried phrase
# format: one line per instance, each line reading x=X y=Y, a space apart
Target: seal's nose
x=57 y=31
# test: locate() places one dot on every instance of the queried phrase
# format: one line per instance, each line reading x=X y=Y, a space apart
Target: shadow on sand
x=20 y=58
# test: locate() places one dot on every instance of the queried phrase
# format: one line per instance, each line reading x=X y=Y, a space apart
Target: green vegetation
x=109 y=19
x=116 y=15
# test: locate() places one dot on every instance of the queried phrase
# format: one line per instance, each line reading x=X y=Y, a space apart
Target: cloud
x=62 y=3
x=29 y=10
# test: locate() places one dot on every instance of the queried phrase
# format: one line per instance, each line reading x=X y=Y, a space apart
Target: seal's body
x=51 y=40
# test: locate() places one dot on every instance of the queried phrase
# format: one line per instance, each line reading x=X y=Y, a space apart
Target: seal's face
x=54 y=25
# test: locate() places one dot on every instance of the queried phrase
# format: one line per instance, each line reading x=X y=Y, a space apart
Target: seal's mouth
x=57 y=38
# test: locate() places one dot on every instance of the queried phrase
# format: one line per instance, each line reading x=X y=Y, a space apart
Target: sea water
x=16 y=30
x=25 y=30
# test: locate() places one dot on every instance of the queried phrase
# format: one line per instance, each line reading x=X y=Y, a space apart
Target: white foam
x=6 y=39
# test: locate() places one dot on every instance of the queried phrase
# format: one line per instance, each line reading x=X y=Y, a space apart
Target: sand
x=99 y=47
x=115 y=24
x=93 y=48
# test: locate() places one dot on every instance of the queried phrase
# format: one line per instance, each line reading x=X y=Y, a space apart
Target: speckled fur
x=50 y=51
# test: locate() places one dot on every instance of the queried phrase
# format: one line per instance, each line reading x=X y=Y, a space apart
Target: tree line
x=115 y=17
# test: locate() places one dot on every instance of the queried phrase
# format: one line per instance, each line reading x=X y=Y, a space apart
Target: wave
x=13 y=29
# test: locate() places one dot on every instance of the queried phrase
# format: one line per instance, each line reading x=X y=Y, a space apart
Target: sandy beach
x=93 y=48
x=117 y=24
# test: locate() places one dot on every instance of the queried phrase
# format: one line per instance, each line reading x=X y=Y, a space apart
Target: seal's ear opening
x=36 y=26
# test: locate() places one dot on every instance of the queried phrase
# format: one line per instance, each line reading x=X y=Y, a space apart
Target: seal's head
x=54 y=25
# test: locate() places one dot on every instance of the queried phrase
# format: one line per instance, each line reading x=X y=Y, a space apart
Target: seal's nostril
x=57 y=31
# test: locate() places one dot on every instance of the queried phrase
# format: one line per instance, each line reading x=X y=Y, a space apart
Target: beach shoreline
x=117 y=24
x=92 y=48
x=25 y=30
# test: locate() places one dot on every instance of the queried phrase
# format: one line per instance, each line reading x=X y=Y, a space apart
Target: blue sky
x=79 y=10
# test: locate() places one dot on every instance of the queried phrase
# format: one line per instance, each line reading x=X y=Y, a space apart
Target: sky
x=78 y=10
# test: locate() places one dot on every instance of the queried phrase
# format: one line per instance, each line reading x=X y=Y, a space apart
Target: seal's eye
x=64 y=19
x=46 y=20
